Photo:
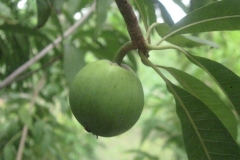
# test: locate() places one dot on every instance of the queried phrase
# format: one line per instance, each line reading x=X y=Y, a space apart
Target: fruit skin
x=106 y=99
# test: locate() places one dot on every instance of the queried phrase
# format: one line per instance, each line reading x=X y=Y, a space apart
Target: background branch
x=25 y=127
x=11 y=78
x=43 y=67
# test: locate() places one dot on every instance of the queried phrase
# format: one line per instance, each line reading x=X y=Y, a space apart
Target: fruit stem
x=122 y=52
x=150 y=29
x=148 y=63
x=153 y=47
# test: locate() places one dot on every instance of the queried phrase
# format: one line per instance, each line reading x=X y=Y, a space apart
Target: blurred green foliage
x=38 y=98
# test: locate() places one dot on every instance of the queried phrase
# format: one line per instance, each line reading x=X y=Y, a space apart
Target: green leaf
x=182 y=40
x=147 y=12
x=38 y=131
x=19 y=45
x=142 y=154
x=150 y=9
x=164 y=14
x=25 y=117
x=73 y=61
x=9 y=152
x=227 y=80
x=181 y=5
x=5 y=11
x=102 y=10
x=208 y=97
x=21 y=30
x=149 y=125
x=4 y=51
x=195 y=4
x=102 y=48
x=218 y=16
x=18 y=28
x=43 y=12
x=133 y=63
x=204 y=135
x=140 y=5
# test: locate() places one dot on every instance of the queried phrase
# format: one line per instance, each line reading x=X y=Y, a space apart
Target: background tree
x=44 y=43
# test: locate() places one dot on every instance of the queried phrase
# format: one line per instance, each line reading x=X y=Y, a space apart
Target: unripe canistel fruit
x=106 y=99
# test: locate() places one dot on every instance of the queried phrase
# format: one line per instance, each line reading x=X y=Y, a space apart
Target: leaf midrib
x=191 y=121
x=202 y=21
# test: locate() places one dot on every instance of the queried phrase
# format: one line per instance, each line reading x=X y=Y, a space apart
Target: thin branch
x=133 y=27
x=25 y=127
x=11 y=78
x=22 y=142
x=43 y=67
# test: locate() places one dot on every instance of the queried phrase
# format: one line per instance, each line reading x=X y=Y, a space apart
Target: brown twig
x=25 y=127
x=133 y=27
x=11 y=78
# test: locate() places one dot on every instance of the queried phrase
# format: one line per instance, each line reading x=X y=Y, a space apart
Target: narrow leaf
x=18 y=28
x=150 y=9
x=102 y=10
x=165 y=15
x=141 y=7
x=142 y=154
x=43 y=12
x=9 y=152
x=195 y=4
x=147 y=12
x=25 y=117
x=227 y=80
x=208 y=97
x=73 y=61
x=218 y=16
x=181 y=5
x=204 y=135
x=133 y=63
x=182 y=40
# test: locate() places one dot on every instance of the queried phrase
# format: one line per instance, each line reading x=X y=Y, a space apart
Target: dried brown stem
x=133 y=27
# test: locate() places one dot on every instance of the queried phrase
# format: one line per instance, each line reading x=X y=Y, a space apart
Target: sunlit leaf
x=182 y=40
x=218 y=16
x=228 y=81
x=205 y=137
x=208 y=97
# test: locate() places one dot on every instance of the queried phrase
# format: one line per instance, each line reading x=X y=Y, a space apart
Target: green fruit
x=106 y=99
